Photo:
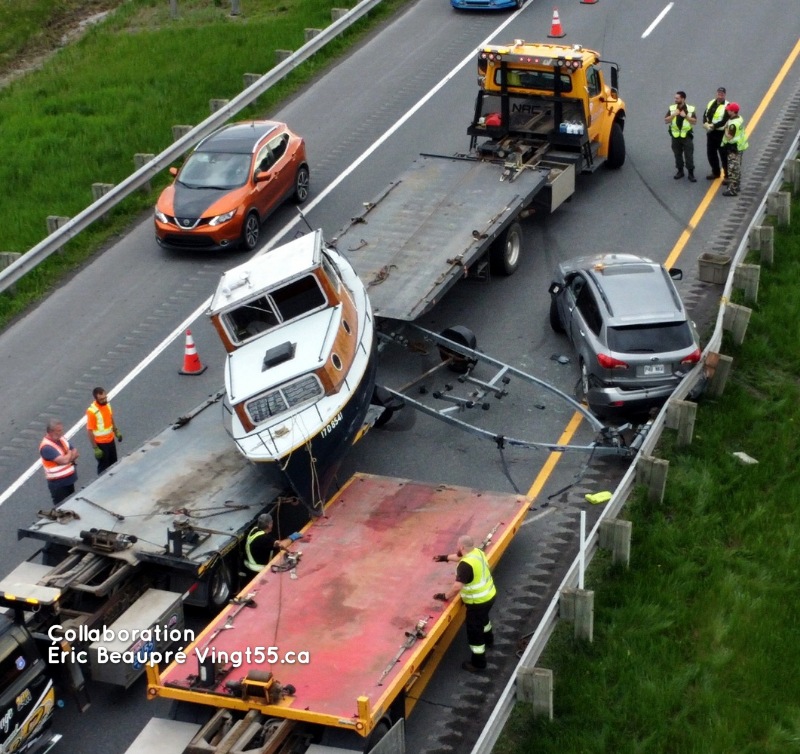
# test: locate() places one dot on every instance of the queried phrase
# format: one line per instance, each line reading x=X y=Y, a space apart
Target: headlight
x=161 y=217
x=219 y=219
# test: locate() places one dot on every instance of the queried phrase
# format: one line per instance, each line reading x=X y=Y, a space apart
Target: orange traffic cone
x=191 y=361
x=555 y=28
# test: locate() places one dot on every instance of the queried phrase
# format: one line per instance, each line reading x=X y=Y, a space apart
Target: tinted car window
x=587 y=306
x=669 y=336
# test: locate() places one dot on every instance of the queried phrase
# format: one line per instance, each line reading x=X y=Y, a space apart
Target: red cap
x=733 y=107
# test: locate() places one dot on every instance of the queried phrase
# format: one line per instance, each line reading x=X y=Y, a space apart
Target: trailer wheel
x=616 y=147
x=555 y=317
x=505 y=253
x=378 y=732
x=464 y=337
x=220 y=586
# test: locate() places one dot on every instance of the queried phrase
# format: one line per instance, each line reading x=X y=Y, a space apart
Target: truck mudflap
x=383 y=587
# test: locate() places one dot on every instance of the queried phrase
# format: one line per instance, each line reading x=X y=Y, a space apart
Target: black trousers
x=61 y=493
x=717 y=156
x=109 y=457
x=479 y=631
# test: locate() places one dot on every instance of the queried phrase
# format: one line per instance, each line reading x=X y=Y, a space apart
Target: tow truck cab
x=555 y=96
x=27 y=695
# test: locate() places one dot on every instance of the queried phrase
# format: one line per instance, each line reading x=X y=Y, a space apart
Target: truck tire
x=506 y=251
x=616 y=147
x=378 y=732
x=555 y=317
x=220 y=587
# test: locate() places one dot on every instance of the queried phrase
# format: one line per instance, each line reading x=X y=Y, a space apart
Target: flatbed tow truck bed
x=429 y=227
x=365 y=580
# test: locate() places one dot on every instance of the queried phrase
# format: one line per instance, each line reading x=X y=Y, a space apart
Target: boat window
x=298 y=297
x=251 y=318
x=288 y=396
x=331 y=271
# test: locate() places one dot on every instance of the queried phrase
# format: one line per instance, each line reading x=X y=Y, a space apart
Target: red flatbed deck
x=366 y=576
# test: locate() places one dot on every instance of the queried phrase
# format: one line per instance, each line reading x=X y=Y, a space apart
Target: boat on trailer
x=298 y=329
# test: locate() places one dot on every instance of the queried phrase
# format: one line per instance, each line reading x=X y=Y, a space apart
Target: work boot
x=692 y=179
x=677 y=175
x=712 y=177
x=730 y=192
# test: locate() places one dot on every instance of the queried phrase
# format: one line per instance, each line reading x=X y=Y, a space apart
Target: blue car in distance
x=486 y=4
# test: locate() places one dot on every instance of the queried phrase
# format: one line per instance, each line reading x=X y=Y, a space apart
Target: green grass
x=694 y=645
x=118 y=91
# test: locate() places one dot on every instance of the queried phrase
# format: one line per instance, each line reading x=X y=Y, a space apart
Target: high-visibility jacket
x=249 y=561
x=481 y=588
x=739 y=139
x=686 y=127
x=715 y=113
x=100 y=422
x=52 y=469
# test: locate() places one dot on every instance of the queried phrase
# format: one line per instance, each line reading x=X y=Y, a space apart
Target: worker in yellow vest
x=735 y=142
x=262 y=545
x=680 y=120
x=475 y=585
x=102 y=430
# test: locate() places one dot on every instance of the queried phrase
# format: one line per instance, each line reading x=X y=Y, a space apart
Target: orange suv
x=230 y=183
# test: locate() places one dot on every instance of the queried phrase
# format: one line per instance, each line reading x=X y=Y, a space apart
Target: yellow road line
x=574 y=423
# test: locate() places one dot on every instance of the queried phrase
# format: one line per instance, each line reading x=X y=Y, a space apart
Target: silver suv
x=629 y=327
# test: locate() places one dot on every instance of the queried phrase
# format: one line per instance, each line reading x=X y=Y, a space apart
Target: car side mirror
x=555 y=289
x=262 y=176
x=676 y=273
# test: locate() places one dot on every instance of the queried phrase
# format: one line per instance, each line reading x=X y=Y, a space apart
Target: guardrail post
x=791 y=174
x=140 y=159
x=535 y=687
x=779 y=204
x=746 y=277
x=681 y=416
x=281 y=55
x=54 y=222
x=234 y=7
x=173 y=8
x=7 y=258
x=309 y=34
x=577 y=606
x=615 y=535
x=713 y=268
x=250 y=79
x=652 y=472
x=337 y=13
x=99 y=190
x=178 y=132
x=718 y=367
x=217 y=104
x=762 y=238
x=736 y=318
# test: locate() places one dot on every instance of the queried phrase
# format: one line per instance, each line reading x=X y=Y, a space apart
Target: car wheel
x=505 y=253
x=301 y=183
x=251 y=231
x=555 y=317
x=616 y=147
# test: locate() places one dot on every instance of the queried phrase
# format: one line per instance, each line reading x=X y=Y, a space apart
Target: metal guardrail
x=502 y=710
x=95 y=211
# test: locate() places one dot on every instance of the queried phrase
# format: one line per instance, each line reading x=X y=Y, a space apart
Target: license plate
x=653 y=369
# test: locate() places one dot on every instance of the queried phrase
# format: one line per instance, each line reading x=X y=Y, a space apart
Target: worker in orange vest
x=58 y=460
x=102 y=430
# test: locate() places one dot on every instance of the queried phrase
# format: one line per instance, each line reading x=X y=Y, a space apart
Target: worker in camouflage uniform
x=734 y=142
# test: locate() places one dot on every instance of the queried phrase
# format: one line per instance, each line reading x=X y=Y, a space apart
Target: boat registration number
x=330 y=427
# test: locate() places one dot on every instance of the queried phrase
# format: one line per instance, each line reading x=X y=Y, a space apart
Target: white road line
x=538 y=516
x=658 y=20
x=178 y=331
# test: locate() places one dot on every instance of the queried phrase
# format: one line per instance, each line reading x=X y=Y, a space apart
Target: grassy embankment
x=118 y=91
x=694 y=645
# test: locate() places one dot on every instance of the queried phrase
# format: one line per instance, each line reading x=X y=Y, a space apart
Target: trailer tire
x=616 y=147
x=378 y=732
x=464 y=337
x=220 y=587
x=555 y=317
x=506 y=251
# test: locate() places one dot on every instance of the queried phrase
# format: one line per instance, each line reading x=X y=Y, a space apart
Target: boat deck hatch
x=277 y=355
